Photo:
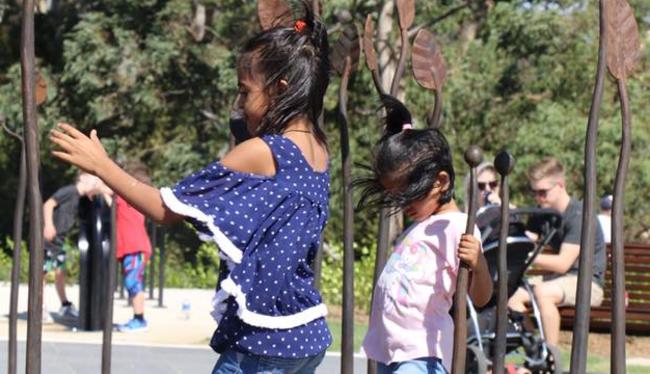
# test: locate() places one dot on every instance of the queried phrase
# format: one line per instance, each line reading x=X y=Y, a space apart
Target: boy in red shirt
x=133 y=250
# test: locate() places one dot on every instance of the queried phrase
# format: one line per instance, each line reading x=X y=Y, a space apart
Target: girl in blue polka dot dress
x=264 y=204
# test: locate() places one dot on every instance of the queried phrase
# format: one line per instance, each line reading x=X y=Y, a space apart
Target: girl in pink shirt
x=410 y=328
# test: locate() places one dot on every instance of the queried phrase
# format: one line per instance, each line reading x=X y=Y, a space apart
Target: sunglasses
x=542 y=192
x=492 y=184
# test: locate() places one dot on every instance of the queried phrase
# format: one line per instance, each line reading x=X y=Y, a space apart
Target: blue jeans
x=424 y=365
x=233 y=362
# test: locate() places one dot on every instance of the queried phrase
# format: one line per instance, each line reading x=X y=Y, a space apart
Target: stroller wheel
x=475 y=360
x=552 y=363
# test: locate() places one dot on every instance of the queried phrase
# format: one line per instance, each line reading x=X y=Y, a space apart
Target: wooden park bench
x=637 y=285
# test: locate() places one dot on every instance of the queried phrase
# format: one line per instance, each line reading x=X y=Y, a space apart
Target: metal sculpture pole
x=345 y=58
x=109 y=292
x=32 y=151
x=152 y=259
x=473 y=157
x=406 y=13
x=587 y=238
x=161 y=269
x=622 y=57
x=382 y=233
x=15 y=267
x=504 y=162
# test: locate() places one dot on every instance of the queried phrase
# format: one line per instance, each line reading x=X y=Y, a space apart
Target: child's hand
x=469 y=251
x=87 y=153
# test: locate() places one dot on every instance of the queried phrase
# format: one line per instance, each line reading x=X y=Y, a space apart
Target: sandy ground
x=167 y=325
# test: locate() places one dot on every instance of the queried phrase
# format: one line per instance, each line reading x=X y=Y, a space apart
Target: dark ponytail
x=397 y=115
x=409 y=159
x=298 y=54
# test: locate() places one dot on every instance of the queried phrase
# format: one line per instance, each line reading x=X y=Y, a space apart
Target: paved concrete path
x=85 y=358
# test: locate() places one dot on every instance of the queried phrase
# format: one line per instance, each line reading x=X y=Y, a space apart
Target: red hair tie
x=300 y=25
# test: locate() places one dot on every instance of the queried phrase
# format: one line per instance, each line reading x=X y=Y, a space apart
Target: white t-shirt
x=605 y=222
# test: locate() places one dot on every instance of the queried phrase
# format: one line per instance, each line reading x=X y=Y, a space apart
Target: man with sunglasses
x=548 y=186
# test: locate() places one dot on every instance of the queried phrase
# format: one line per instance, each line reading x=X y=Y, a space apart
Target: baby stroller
x=521 y=334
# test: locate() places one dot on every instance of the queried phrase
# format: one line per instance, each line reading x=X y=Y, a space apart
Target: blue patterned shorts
x=133 y=272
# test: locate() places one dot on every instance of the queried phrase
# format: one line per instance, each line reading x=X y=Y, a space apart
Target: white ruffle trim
x=228 y=288
x=225 y=245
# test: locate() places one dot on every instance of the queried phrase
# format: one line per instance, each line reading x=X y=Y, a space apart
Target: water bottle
x=186 y=308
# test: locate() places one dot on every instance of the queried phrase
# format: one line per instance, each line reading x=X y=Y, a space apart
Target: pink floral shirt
x=410 y=311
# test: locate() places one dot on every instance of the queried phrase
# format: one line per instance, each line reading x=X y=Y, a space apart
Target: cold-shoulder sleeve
x=223 y=205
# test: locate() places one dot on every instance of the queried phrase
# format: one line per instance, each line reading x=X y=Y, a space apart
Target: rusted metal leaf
x=41 y=89
x=346 y=46
x=623 y=46
x=428 y=64
x=273 y=13
x=368 y=45
x=406 y=11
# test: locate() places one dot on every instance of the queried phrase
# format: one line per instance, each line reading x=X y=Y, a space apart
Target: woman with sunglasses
x=488 y=187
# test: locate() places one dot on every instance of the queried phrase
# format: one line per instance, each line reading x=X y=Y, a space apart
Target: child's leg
x=133 y=271
x=59 y=282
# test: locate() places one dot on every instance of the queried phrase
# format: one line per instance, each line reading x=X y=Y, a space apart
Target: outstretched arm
x=469 y=251
x=49 y=231
x=88 y=154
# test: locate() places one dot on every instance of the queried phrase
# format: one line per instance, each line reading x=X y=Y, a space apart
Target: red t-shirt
x=131 y=232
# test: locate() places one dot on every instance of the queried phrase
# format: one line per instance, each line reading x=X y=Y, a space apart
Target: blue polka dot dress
x=268 y=231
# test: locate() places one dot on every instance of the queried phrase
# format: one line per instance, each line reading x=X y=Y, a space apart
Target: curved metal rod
x=618 y=257
x=434 y=118
x=473 y=157
x=109 y=291
x=15 y=266
x=587 y=238
x=401 y=65
x=347 y=343
x=503 y=163
x=32 y=152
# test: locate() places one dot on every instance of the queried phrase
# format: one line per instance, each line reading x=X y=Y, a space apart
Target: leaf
x=406 y=11
x=622 y=35
x=428 y=63
x=368 y=45
x=346 y=46
x=273 y=13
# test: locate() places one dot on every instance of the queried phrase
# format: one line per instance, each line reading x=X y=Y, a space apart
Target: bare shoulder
x=252 y=156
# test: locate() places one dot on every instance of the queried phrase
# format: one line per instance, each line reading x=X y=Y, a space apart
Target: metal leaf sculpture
x=406 y=11
x=428 y=64
x=273 y=13
x=370 y=55
x=429 y=70
x=346 y=46
x=623 y=46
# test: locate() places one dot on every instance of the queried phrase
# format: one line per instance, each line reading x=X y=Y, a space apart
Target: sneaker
x=68 y=311
x=133 y=325
x=47 y=317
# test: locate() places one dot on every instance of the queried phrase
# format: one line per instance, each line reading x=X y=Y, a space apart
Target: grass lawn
x=595 y=363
